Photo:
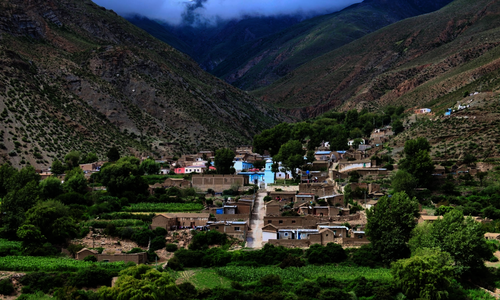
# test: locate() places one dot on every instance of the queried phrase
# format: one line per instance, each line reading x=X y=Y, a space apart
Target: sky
x=192 y=11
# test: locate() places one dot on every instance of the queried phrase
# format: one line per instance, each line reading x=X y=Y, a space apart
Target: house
x=439 y=171
x=269 y=232
x=180 y=170
x=428 y=219
x=218 y=183
x=303 y=198
x=334 y=200
x=240 y=165
x=194 y=169
x=323 y=155
x=338 y=231
x=138 y=258
x=273 y=208
x=420 y=111
x=283 y=196
x=179 y=220
x=308 y=221
x=348 y=166
x=320 y=211
x=371 y=203
x=236 y=229
x=318 y=189
x=492 y=236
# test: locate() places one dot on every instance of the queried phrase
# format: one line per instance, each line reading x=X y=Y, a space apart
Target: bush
x=91 y=258
x=331 y=253
x=171 y=247
x=493 y=259
x=142 y=237
x=175 y=264
x=6 y=287
x=160 y=231
x=157 y=243
x=292 y=261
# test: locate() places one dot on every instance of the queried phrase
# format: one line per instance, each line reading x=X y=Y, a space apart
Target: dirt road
x=254 y=239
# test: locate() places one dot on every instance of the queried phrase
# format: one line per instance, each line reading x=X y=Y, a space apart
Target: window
x=280 y=221
x=327 y=234
x=286 y=234
x=293 y=221
x=237 y=229
x=216 y=227
x=269 y=221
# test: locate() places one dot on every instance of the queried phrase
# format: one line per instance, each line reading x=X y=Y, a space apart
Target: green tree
x=31 y=237
x=301 y=131
x=356 y=143
x=291 y=155
x=53 y=220
x=223 y=160
x=113 y=154
x=57 y=167
x=7 y=174
x=404 y=182
x=390 y=224
x=150 y=167
x=397 y=127
x=123 y=176
x=272 y=139
x=481 y=176
x=89 y=158
x=417 y=160
x=51 y=187
x=462 y=238
x=351 y=119
x=427 y=274
x=72 y=159
x=339 y=140
x=75 y=181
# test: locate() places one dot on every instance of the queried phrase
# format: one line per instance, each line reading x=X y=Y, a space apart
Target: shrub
x=493 y=259
x=292 y=261
x=160 y=231
x=171 y=247
x=157 y=243
x=175 y=264
x=91 y=258
x=6 y=287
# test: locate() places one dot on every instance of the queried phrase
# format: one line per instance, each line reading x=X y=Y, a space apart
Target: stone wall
x=291 y=243
x=218 y=183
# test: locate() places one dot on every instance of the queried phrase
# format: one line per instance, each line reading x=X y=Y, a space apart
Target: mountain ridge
x=73 y=70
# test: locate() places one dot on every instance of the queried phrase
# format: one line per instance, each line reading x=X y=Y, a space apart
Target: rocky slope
x=75 y=76
x=432 y=60
x=262 y=62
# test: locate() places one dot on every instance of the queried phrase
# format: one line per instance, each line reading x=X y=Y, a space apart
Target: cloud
x=192 y=11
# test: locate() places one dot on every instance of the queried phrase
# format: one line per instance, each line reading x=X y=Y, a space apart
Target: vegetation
x=163 y=207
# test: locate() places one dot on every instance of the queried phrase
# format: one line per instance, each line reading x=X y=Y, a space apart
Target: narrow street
x=254 y=239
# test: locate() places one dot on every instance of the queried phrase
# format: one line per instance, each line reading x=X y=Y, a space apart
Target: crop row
x=50 y=264
x=163 y=207
x=293 y=274
x=117 y=223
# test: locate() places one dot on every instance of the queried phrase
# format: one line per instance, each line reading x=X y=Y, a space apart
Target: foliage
x=163 y=207
x=171 y=247
x=50 y=264
x=291 y=155
x=202 y=240
x=6 y=287
x=51 y=187
x=390 y=224
x=417 y=160
x=331 y=253
x=404 y=182
x=427 y=274
x=57 y=167
x=113 y=154
x=462 y=238
x=150 y=167
x=223 y=160
x=122 y=176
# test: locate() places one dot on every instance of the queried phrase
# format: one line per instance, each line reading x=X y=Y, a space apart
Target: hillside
x=75 y=76
x=431 y=61
x=262 y=62
x=210 y=45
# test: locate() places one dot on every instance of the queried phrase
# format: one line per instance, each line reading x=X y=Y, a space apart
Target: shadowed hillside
x=430 y=60
x=75 y=76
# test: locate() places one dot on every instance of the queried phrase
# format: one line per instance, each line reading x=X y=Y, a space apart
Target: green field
x=163 y=207
x=238 y=273
x=50 y=264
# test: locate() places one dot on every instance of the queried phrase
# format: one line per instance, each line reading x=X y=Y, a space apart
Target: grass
x=204 y=278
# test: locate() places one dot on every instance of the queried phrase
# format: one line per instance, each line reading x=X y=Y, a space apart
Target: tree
x=113 y=154
x=469 y=159
x=291 y=155
x=150 y=167
x=481 y=176
x=356 y=143
x=57 y=167
x=89 y=158
x=223 y=160
x=75 y=181
x=417 y=160
x=404 y=182
x=462 y=238
x=390 y=224
x=53 y=220
x=397 y=127
x=72 y=159
x=427 y=274
x=272 y=139
x=123 y=176
x=339 y=140
x=51 y=187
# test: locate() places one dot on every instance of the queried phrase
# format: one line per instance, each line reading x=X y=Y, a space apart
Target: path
x=254 y=239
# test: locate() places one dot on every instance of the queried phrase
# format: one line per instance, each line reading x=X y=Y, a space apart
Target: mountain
x=431 y=60
x=75 y=76
x=211 y=44
x=260 y=63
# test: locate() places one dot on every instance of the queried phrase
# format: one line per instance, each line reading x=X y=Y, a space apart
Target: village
x=278 y=210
